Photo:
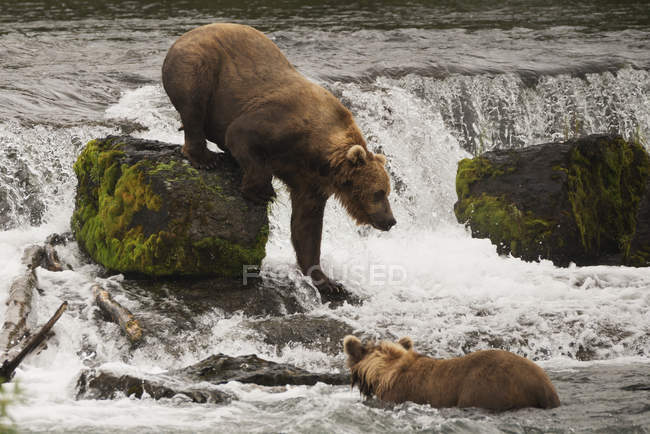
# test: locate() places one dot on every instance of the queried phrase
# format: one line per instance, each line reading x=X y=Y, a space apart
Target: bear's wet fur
x=233 y=86
x=492 y=379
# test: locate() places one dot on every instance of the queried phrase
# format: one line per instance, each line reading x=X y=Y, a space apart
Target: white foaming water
x=426 y=278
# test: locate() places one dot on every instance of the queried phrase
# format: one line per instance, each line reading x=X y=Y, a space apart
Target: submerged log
x=577 y=201
x=9 y=366
x=117 y=313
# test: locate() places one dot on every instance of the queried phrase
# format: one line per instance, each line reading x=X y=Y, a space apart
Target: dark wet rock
x=480 y=339
x=127 y=126
x=637 y=387
x=97 y=384
x=141 y=208
x=315 y=333
x=219 y=368
x=199 y=381
x=44 y=256
x=33 y=256
x=585 y=354
x=192 y=297
x=59 y=239
x=640 y=245
x=577 y=201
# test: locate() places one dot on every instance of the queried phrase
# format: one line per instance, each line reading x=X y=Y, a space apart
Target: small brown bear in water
x=493 y=379
x=234 y=87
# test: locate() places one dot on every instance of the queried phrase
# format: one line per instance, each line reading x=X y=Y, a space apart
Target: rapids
x=428 y=85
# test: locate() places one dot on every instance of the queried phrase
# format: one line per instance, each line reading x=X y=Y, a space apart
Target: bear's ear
x=356 y=155
x=381 y=158
x=353 y=348
x=406 y=342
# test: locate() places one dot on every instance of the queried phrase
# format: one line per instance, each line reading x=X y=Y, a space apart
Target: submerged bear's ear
x=381 y=158
x=356 y=155
x=353 y=348
x=406 y=342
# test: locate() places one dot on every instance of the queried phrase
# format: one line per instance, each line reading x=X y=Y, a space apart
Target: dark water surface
x=429 y=83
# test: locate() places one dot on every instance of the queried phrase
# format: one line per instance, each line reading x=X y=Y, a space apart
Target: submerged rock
x=198 y=381
x=581 y=201
x=141 y=208
x=98 y=384
x=219 y=369
x=186 y=299
x=315 y=333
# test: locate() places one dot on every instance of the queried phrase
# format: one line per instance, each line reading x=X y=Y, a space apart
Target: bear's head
x=372 y=365
x=363 y=187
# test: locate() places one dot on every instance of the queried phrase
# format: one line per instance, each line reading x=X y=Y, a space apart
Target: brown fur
x=234 y=87
x=493 y=379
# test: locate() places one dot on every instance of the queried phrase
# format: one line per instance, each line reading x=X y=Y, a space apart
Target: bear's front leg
x=307 y=211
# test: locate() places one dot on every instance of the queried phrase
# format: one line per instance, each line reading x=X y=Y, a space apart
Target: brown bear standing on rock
x=493 y=379
x=234 y=87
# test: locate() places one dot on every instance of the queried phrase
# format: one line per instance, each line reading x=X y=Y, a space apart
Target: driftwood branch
x=119 y=314
x=51 y=260
x=19 y=306
x=9 y=366
x=19 y=302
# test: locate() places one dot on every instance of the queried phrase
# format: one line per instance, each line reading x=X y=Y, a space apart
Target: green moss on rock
x=576 y=201
x=509 y=228
x=605 y=185
x=154 y=216
x=471 y=170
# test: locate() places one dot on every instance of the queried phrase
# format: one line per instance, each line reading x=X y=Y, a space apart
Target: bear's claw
x=334 y=293
x=205 y=159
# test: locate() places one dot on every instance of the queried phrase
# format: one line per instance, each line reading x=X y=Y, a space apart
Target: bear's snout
x=384 y=224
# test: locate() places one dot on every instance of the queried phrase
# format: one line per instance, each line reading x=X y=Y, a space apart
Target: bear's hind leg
x=186 y=81
x=195 y=147
x=257 y=177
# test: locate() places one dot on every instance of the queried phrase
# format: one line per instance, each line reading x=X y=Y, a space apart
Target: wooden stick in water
x=9 y=366
x=51 y=260
x=119 y=314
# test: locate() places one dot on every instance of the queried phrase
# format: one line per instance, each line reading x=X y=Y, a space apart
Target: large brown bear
x=492 y=379
x=234 y=87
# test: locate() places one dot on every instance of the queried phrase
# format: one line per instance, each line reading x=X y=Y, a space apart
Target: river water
x=428 y=85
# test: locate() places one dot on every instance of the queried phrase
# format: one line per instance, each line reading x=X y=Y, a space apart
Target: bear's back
x=502 y=380
x=240 y=52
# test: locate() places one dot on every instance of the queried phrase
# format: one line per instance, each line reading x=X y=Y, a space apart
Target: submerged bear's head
x=358 y=351
x=372 y=364
x=364 y=188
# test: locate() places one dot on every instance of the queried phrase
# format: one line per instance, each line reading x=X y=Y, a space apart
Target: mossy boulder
x=581 y=201
x=141 y=208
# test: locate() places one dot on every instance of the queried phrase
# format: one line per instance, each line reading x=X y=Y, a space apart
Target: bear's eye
x=347 y=184
x=378 y=195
